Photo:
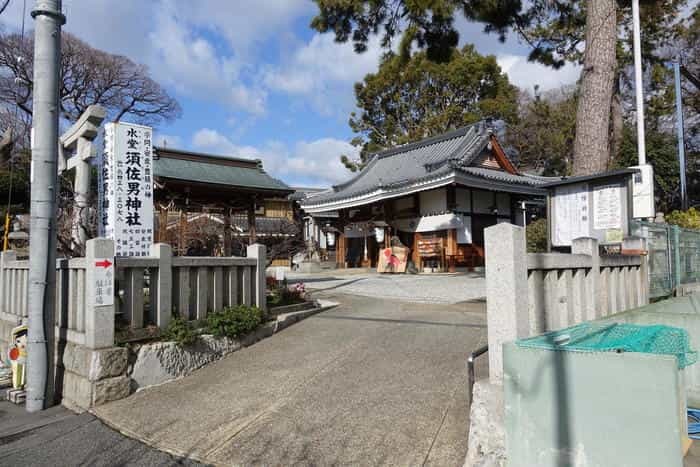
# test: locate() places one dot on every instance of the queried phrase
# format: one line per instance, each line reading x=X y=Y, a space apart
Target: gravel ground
x=423 y=288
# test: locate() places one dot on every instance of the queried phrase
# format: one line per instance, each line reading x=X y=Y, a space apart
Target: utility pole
x=48 y=20
x=680 y=131
x=639 y=90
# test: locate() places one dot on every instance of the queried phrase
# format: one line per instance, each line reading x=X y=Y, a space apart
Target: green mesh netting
x=588 y=337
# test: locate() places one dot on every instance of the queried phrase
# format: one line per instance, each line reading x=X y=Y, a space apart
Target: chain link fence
x=674 y=256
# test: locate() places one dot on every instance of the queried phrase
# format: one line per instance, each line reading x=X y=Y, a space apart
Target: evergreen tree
x=411 y=97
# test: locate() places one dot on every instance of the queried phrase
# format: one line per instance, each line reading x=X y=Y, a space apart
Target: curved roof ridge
x=429 y=140
x=474 y=129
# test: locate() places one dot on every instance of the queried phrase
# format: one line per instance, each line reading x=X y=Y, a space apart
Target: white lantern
x=330 y=238
x=379 y=234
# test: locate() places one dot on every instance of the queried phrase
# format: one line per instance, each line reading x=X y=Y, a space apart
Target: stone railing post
x=99 y=319
x=637 y=246
x=506 y=291
x=595 y=298
x=164 y=284
x=259 y=252
x=5 y=291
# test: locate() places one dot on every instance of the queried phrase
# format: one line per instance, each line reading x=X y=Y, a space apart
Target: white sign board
x=126 y=188
x=607 y=207
x=643 y=192
x=104 y=281
x=571 y=214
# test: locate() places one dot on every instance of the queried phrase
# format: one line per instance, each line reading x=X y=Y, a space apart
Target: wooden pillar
x=252 y=235
x=227 y=232
x=162 y=226
x=415 y=255
x=451 y=250
x=340 y=251
x=182 y=233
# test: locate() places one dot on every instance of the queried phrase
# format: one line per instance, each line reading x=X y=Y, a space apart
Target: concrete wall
x=592 y=409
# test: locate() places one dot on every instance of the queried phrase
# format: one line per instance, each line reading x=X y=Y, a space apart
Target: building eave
x=454 y=176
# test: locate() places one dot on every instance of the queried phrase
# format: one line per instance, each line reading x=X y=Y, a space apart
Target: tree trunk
x=591 y=146
x=617 y=124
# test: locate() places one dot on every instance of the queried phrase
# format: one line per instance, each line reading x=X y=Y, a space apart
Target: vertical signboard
x=571 y=214
x=126 y=188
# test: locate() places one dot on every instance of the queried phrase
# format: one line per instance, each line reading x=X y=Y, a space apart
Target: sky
x=253 y=79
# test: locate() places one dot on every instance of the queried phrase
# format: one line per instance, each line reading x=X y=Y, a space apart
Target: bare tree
x=89 y=76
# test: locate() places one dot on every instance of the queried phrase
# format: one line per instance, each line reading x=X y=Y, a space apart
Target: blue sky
x=253 y=79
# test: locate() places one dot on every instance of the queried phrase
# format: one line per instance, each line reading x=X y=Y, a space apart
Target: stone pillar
x=259 y=252
x=595 y=298
x=162 y=301
x=637 y=246
x=99 y=320
x=506 y=291
x=81 y=191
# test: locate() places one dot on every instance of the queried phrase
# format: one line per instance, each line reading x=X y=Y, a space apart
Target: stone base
x=93 y=377
x=487 y=432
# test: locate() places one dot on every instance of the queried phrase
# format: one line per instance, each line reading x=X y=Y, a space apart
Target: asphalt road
x=57 y=437
x=372 y=382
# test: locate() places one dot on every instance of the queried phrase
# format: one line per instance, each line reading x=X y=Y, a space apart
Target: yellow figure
x=18 y=356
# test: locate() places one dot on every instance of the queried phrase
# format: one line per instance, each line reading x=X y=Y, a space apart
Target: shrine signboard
x=126 y=188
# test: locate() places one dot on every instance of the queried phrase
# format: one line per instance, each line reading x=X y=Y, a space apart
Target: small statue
x=18 y=356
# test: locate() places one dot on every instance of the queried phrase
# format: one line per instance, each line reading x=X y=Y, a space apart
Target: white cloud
x=324 y=71
x=304 y=163
x=192 y=65
x=526 y=75
x=171 y=141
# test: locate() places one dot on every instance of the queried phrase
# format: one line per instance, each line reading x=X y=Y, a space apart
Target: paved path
x=371 y=382
x=423 y=288
x=58 y=437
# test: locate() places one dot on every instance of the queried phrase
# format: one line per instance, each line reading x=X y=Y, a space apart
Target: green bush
x=536 y=234
x=234 y=321
x=180 y=331
x=689 y=219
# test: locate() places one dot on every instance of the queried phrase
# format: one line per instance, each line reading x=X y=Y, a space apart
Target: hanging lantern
x=379 y=234
x=330 y=238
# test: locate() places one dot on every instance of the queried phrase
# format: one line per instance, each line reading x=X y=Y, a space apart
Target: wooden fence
x=148 y=290
x=531 y=293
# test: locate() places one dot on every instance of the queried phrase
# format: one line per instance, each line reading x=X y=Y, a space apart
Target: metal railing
x=471 y=378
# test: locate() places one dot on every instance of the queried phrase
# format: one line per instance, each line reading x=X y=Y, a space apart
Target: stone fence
x=531 y=293
x=90 y=368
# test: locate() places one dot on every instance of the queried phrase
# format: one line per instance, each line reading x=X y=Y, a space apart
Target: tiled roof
x=423 y=161
x=205 y=168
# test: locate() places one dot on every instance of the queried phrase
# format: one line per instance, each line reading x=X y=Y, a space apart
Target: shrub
x=234 y=321
x=689 y=219
x=180 y=331
x=536 y=234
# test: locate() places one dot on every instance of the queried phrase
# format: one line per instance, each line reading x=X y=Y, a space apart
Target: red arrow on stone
x=103 y=264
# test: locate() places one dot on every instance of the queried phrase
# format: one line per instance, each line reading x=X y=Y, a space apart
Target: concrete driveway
x=372 y=382
x=422 y=288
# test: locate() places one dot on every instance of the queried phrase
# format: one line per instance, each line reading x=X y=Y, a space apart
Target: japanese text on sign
x=126 y=188
x=104 y=281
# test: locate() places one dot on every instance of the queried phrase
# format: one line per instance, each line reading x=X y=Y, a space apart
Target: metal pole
x=679 y=130
x=641 y=147
x=48 y=20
